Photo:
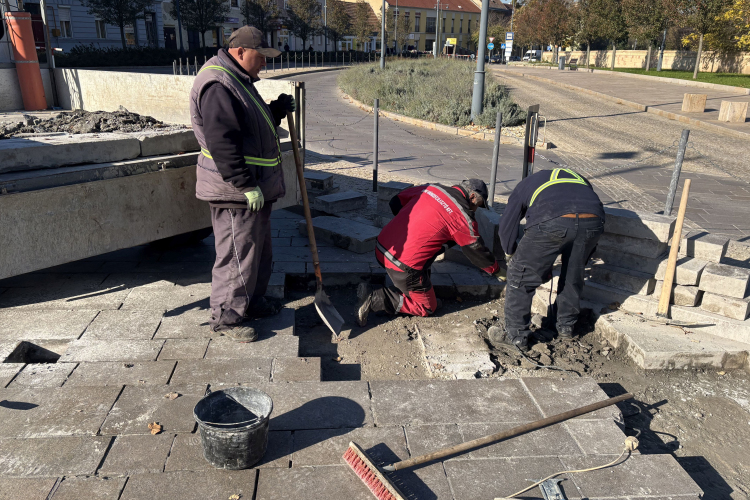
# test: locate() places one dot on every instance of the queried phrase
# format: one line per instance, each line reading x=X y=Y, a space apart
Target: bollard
x=375 y=148
x=196 y=65
x=561 y=63
x=495 y=154
x=180 y=66
x=174 y=67
x=529 y=144
x=676 y=172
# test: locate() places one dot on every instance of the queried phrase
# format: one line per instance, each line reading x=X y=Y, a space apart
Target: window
x=430 y=28
x=468 y=26
x=416 y=22
x=101 y=29
x=443 y=24
x=65 y=27
x=461 y=26
x=453 y=23
x=234 y=3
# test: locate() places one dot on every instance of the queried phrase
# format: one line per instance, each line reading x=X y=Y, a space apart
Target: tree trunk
x=588 y=54
x=135 y=32
x=122 y=36
x=698 y=58
x=648 y=58
x=614 y=55
x=203 y=41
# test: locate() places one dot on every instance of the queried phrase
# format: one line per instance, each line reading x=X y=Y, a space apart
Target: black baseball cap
x=479 y=186
x=250 y=37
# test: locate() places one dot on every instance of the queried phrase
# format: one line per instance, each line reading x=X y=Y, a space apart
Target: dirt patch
x=83 y=122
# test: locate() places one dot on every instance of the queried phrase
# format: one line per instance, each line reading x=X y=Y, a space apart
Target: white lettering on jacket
x=439 y=200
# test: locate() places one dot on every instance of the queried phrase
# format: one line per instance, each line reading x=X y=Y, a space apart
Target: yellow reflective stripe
x=553 y=179
x=263 y=162
x=206 y=153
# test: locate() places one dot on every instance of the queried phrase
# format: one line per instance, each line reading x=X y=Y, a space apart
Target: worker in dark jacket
x=426 y=218
x=240 y=175
x=564 y=216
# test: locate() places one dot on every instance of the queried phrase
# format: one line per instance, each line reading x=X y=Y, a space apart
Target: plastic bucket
x=234 y=426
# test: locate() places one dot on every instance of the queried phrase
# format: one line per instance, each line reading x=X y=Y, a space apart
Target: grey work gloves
x=279 y=107
x=255 y=199
x=290 y=105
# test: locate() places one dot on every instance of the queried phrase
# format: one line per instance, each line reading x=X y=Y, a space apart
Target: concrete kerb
x=301 y=72
x=640 y=107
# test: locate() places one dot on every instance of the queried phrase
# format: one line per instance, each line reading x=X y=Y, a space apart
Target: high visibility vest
x=553 y=179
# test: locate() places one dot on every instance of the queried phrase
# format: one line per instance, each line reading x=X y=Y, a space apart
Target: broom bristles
x=369 y=473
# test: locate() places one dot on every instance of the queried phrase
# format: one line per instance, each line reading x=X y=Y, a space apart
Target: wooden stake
x=666 y=289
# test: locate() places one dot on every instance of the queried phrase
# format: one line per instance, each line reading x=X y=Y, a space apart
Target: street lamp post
x=382 y=38
x=325 y=22
x=179 y=24
x=478 y=95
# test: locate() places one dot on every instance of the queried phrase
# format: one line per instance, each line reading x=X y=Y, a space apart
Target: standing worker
x=426 y=218
x=240 y=175
x=564 y=216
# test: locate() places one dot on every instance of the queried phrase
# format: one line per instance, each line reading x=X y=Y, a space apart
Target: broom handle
x=305 y=200
x=521 y=429
x=666 y=286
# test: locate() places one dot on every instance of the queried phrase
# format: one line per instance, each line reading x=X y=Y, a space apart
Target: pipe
x=27 y=63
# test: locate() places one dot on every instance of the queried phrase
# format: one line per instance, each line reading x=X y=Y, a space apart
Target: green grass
x=732 y=79
x=433 y=90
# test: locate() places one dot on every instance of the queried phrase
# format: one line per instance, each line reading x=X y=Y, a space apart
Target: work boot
x=498 y=336
x=241 y=332
x=262 y=308
x=565 y=332
x=364 y=294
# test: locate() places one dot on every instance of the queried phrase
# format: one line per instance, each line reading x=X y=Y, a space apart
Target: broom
x=383 y=489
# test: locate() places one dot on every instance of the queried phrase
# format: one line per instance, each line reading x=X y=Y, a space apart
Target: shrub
x=91 y=56
x=434 y=90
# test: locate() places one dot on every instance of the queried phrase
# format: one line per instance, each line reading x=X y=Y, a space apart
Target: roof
x=351 y=9
x=452 y=5
x=500 y=6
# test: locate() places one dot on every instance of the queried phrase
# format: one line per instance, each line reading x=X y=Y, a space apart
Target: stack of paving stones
x=319 y=184
x=386 y=191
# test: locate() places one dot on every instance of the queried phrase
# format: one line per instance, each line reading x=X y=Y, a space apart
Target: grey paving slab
x=28 y=489
x=296 y=370
x=286 y=223
x=326 y=446
x=6 y=348
x=412 y=402
x=189 y=485
x=47 y=412
x=277 y=345
x=183 y=349
x=289 y=267
x=185 y=325
x=116 y=325
x=499 y=477
x=138 y=406
x=428 y=482
x=43 y=375
x=548 y=442
x=555 y=396
x=311 y=483
x=137 y=454
x=218 y=372
x=17 y=324
x=344 y=233
x=640 y=475
x=64 y=297
x=119 y=373
x=111 y=350
x=723 y=279
x=279 y=324
x=596 y=436
x=8 y=371
x=169 y=299
x=276 y=286
x=187 y=452
x=59 y=456
x=423 y=439
x=101 y=488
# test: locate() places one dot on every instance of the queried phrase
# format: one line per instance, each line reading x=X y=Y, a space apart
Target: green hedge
x=90 y=56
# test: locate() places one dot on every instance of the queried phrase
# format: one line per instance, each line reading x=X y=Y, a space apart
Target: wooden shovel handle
x=666 y=287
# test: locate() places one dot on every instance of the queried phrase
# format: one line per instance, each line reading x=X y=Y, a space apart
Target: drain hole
x=44 y=351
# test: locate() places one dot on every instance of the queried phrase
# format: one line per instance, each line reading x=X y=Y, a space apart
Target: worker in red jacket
x=426 y=218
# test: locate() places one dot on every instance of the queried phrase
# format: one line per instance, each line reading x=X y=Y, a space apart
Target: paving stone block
x=276 y=286
x=652 y=475
x=387 y=190
x=614 y=297
x=488 y=223
x=278 y=324
x=191 y=324
x=444 y=286
x=187 y=452
x=48 y=412
x=74 y=298
x=58 y=456
x=470 y=286
x=289 y=267
x=635 y=246
x=624 y=279
x=453 y=354
x=101 y=488
x=499 y=477
x=554 y=396
x=296 y=370
x=713 y=324
x=419 y=402
x=326 y=446
x=730 y=307
x=43 y=375
x=321 y=181
x=423 y=439
x=117 y=325
x=167 y=142
x=19 y=324
x=340 y=202
x=137 y=454
x=139 y=406
x=286 y=224
x=169 y=299
x=424 y=482
x=704 y=246
x=217 y=372
x=688 y=271
x=26 y=488
x=183 y=349
x=276 y=345
x=112 y=350
x=639 y=224
x=384 y=207
x=344 y=233
x=8 y=371
x=548 y=442
x=725 y=280
x=596 y=437
x=688 y=296
x=626 y=260
x=311 y=483
x=213 y=484
x=119 y=373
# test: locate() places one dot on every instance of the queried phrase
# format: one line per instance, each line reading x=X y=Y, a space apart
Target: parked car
x=533 y=55
x=514 y=58
x=496 y=59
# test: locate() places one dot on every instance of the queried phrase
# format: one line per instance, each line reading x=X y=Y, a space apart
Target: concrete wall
x=673 y=59
x=10 y=91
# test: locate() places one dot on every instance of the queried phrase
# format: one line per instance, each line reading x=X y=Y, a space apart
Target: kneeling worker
x=564 y=216
x=426 y=217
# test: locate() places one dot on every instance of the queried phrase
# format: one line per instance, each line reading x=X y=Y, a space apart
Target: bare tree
x=263 y=14
x=362 y=26
x=339 y=22
x=202 y=15
x=118 y=13
x=303 y=18
x=398 y=24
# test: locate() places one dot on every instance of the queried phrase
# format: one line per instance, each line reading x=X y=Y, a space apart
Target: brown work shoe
x=241 y=332
x=364 y=294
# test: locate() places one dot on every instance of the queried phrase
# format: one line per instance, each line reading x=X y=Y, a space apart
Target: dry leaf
x=172 y=395
x=459 y=299
x=722 y=373
x=337 y=359
x=155 y=428
x=235 y=497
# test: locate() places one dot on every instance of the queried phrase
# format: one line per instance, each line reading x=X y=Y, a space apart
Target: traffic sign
x=492 y=39
x=509 y=36
x=490 y=46
x=502 y=46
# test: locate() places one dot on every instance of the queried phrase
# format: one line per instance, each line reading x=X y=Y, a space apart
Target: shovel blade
x=328 y=313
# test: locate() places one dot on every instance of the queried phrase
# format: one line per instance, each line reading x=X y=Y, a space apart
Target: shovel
x=326 y=311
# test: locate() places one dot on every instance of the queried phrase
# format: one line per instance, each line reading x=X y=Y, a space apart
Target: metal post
x=477 y=99
x=676 y=172
x=382 y=38
x=174 y=67
x=495 y=154
x=302 y=104
x=661 y=50
x=180 y=66
x=375 y=146
x=179 y=27
x=648 y=57
x=196 y=65
x=529 y=143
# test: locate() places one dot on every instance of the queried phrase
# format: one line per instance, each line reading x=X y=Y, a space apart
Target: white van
x=533 y=55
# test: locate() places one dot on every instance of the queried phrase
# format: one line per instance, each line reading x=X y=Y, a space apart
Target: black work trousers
x=572 y=237
x=244 y=259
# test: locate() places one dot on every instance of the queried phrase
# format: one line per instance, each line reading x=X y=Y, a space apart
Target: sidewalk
x=655 y=96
